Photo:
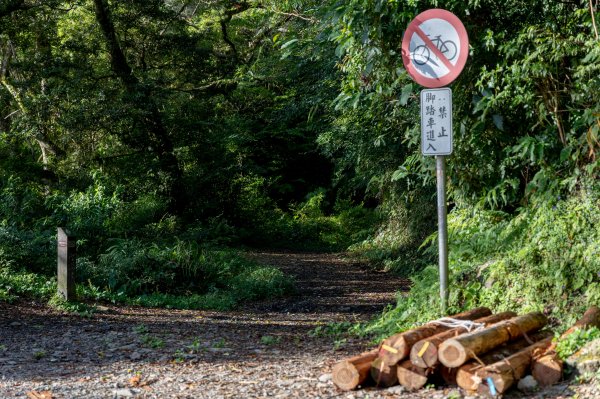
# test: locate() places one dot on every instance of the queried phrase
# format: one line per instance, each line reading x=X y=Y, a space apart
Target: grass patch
x=219 y=279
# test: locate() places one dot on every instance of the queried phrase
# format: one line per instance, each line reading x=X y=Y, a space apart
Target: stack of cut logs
x=502 y=349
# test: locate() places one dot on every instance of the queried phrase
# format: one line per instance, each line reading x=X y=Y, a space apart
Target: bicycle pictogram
x=421 y=54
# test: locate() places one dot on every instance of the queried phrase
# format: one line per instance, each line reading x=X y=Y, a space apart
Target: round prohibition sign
x=435 y=48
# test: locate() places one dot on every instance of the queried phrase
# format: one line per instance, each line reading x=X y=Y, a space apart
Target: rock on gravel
x=586 y=361
x=527 y=384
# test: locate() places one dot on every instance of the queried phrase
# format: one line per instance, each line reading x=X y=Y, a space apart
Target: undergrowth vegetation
x=152 y=263
x=132 y=251
x=545 y=257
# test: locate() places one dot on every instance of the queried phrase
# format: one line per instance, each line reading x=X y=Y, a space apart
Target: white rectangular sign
x=436 y=121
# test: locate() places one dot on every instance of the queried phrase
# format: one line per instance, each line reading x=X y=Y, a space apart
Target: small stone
x=527 y=384
x=325 y=377
x=586 y=361
x=124 y=393
x=135 y=356
x=396 y=390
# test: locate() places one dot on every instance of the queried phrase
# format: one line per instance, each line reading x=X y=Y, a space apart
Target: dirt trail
x=262 y=350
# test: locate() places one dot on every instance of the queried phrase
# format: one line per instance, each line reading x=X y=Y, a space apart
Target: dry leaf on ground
x=39 y=395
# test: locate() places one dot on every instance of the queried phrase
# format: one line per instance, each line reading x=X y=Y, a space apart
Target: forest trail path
x=265 y=349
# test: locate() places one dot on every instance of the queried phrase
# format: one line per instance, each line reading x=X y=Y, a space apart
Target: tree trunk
x=505 y=373
x=383 y=374
x=466 y=376
x=455 y=352
x=547 y=367
x=141 y=98
x=350 y=373
x=397 y=347
x=425 y=352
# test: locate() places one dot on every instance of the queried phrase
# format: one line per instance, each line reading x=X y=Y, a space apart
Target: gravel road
x=265 y=350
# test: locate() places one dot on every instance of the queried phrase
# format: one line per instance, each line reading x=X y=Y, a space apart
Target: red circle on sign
x=414 y=29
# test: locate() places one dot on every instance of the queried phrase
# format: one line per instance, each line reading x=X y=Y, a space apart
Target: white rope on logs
x=468 y=325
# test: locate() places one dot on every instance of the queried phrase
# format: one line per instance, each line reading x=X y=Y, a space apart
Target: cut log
x=397 y=347
x=350 y=373
x=425 y=352
x=547 y=367
x=457 y=351
x=383 y=374
x=505 y=373
x=466 y=376
x=411 y=376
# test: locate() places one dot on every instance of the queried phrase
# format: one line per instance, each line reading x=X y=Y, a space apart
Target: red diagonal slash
x=433 y=48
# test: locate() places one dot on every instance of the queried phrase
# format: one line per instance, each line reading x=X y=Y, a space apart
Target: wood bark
x=505 y=373
x=547 y=367
x=466 y=376
x=397 y=347
x=411 y=376
x=457 y=351
x=350 y=373
x=384 y=375
x=425 y=352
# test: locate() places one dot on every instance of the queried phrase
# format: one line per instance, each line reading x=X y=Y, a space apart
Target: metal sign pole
x=440 y=161
x=434 y=67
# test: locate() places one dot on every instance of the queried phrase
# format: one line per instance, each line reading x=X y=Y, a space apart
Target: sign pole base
x=440 y=161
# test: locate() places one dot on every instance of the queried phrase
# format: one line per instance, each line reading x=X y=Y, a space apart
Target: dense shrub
x=544 y=258
x=136 y=267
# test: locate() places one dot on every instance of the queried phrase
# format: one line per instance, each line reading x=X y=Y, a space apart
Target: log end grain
x=411 y=376
x=502 y=382
x=452 y=353
x=547 y=370
x=424 y=354
x=384 y=375
x=466 y=376
x=345 y=375
x=350 y=373
x=394 y=350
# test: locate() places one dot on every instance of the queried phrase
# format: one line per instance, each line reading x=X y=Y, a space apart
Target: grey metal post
x=67 y=260
x=440 y=161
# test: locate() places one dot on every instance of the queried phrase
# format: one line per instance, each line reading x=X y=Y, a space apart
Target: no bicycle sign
x=434 y=52
x=435 y=48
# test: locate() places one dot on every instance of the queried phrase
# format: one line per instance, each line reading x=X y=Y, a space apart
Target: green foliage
x=17 y=282
x=334 y=330
x=82 y=309
x=396 y=245
x=313 y=224
x=525 y=107
x=575 y=341
x=269 y=340
x=156 y=274
x=543 y=259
